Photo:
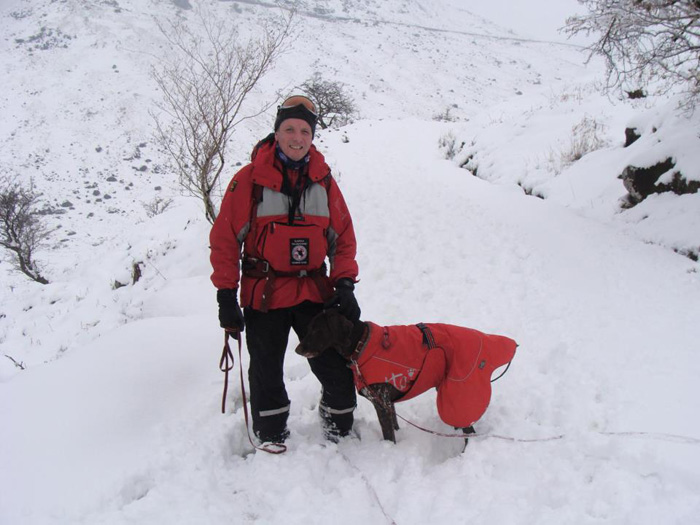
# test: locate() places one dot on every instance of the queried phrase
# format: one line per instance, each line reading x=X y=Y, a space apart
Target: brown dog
x=396 y=363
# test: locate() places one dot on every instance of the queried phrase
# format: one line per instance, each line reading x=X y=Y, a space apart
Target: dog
x=396 y=363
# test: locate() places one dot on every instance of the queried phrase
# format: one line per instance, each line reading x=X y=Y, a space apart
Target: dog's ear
x=317 y=339
x=329 y=329
x=341 y=328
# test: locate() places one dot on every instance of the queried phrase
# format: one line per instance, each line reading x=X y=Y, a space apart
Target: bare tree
x=204 y=88
x=333 y=104
x=651 y=45
x=21 y=228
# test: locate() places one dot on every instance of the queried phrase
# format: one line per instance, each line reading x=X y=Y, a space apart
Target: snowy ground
x=116 y=418
x=127 y=429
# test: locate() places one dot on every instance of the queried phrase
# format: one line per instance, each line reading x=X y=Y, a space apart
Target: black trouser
x=267 y=336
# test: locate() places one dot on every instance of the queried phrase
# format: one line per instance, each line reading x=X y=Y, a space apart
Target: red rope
x=225 y=365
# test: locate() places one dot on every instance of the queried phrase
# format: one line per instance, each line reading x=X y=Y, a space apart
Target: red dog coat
x=457 y=361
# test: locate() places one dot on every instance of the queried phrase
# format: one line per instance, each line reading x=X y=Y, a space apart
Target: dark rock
x=631 y=136
x=642 y=182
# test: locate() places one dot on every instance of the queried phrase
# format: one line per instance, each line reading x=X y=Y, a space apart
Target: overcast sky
x=538 y=19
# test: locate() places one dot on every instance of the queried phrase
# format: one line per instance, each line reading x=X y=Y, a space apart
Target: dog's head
x=329 y=329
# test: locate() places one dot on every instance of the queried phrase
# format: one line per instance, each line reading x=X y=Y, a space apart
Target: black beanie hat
x=298 y=111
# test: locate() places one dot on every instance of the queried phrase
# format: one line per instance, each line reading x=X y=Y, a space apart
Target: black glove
x=230 y=315
x=344 y=300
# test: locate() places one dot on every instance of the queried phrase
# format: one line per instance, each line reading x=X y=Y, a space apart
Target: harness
x=260 y=269
x=428 y=339
x=257 y=267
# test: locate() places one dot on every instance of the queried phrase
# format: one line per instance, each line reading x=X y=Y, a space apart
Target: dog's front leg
x=380 y=396
x=466 y=431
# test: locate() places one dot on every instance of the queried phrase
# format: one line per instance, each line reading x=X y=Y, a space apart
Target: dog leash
x=369 y=487
x=368 y=394
x=676 y=438
x=226 y=365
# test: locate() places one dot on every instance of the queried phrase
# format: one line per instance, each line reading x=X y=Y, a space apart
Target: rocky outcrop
x=642 y=182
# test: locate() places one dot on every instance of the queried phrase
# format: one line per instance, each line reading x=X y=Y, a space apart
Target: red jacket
x=322 y=230
x=459 y=365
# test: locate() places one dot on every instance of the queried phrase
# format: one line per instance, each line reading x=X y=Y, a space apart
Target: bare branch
x=18 y=364
x=649 y=44
x=205 y=87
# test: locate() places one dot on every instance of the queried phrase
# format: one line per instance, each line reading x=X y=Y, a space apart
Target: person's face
x=294 y=137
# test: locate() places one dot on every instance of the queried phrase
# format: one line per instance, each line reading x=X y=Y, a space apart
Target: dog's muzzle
x=304 y=353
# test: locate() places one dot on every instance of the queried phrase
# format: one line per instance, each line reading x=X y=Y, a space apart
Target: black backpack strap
x=257 y=198
x=428 y=338
x=257 y=194
x=326 y=181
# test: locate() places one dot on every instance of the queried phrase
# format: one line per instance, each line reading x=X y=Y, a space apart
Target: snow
x=116 y=417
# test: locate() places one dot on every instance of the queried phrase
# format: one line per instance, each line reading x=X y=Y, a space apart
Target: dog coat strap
x=428 y=338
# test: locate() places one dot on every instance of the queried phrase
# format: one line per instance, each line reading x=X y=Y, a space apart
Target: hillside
x=79 y=93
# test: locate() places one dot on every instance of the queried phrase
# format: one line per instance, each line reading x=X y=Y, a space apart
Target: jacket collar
x=266 y=166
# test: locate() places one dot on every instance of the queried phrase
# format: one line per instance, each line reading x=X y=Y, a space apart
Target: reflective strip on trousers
x=274 y=411
x=336 y=411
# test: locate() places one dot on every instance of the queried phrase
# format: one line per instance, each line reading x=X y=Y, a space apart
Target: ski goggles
x=297 y=100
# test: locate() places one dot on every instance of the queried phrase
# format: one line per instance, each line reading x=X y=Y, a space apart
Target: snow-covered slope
x=127 y=429
x=115 y=418
x=78 y=94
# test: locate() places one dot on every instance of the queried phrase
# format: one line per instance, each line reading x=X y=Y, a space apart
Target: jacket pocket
x=292 y=248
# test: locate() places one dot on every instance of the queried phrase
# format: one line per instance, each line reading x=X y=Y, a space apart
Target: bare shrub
x=22 y=230
x=334 y=105
x=156 y=206
x=448 y=145
x=204 y=87
x=586 y=136
x=446 y=115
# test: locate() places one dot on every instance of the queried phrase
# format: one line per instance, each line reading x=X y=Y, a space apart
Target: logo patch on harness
x=299 y=252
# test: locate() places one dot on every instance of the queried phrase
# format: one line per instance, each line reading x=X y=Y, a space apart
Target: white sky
x=538 y=19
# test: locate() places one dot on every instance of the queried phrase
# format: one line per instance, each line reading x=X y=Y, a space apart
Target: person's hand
x=230 y=314
x=344 y=300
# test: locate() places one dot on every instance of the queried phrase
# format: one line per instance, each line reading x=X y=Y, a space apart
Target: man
x=282 y=216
